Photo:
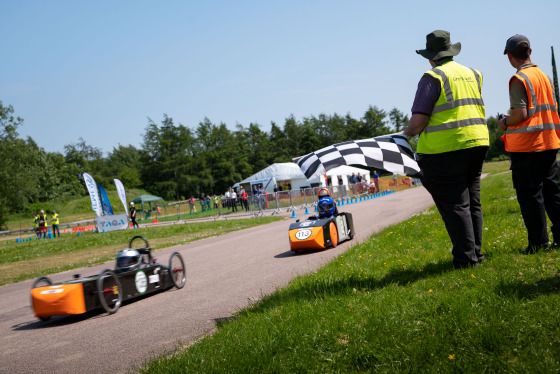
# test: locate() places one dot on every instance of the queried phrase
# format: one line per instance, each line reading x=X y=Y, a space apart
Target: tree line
x=175 y=161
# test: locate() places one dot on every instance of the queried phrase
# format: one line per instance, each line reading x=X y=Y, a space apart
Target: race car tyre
x=177 y=270
x=109 y=291
x=42 y=282
x=334 y=234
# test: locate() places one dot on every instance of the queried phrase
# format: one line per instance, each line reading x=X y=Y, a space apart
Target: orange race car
x=321 y=233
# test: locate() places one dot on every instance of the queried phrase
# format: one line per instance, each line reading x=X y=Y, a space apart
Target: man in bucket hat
x=532 y=139
x=448 y=113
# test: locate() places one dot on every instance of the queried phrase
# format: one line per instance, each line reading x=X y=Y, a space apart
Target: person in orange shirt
x=532 y=138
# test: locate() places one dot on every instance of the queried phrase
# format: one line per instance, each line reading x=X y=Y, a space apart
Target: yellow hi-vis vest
x=55 y=220
x=458 y=119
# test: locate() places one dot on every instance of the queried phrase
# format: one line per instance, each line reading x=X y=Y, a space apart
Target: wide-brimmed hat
x=438 y=45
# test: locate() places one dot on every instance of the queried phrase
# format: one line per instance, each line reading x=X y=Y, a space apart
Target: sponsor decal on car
x=141 y=282
x=58 y=290
x=303 y=234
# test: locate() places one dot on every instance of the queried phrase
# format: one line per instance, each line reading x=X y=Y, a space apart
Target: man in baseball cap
x=532 y=139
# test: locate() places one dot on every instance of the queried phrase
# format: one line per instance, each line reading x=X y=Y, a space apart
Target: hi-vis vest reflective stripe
x=55 y=220
x=541 y=129
x=458 y=118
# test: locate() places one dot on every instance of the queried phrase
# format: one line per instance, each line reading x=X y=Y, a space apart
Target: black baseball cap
x=517 y=43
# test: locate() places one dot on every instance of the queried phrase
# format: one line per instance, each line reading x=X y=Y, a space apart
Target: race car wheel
x=109 y=291
x=42 y=282
x=334 y=234
x=177 y=270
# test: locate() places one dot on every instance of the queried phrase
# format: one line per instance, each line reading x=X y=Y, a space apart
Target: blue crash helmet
x=326 y=207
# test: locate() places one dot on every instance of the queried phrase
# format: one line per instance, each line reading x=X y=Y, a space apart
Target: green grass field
x=394 y=304
x=20 y=261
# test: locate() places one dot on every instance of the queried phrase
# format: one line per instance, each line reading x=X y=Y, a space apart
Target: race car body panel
x=321 y=233
x=58 y=300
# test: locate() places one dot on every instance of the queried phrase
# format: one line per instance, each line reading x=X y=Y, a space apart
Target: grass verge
x=20 y=261
x=394 y=304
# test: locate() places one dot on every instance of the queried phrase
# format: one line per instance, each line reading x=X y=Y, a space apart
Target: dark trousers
x=535 y=179
x=453 y=180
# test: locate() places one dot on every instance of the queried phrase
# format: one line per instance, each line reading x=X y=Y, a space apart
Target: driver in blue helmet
x=326 y=207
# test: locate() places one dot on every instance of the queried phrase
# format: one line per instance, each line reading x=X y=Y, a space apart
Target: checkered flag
x=389 y=152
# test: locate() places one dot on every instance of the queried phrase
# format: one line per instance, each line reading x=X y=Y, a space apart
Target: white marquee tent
x=289 y=173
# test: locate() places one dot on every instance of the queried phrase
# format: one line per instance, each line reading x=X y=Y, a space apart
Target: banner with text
x=112 y=223
x=93 y=194
x=105 y=203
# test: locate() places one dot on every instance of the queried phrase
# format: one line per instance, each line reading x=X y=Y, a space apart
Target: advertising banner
x=93 y=194
x=105 y=203
x=112 y=223
x=122 y=194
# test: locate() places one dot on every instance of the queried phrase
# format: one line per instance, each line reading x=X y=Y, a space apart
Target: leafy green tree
x=125 y=164
x=398 y=120
x=497 y=149
x=68 y=176
x=294 y=133
x=279 y=151
x=167 y=159
x=373 y=123
x=25 y=171
x=87 y=159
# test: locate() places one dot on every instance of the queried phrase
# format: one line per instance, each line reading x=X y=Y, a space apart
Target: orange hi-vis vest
x=540 y=131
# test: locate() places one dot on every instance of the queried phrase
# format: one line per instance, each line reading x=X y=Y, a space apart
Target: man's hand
x=416 y=124
x=502 y=121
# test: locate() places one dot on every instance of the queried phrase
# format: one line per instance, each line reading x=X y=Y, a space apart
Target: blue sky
x=98 y=70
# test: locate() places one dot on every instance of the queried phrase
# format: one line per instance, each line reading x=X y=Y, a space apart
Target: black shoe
x=481 y=257
x=532 y=249
x=467 y=266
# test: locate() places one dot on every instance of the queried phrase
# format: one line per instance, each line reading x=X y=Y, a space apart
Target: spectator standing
x=244 y=198
x=532 y=138
x=43 y=224
x=233 y=197
x=449 y=114
x=133 y=216
x=227 y=197
x=376 y=180
x=192 y=206
x=55 y=221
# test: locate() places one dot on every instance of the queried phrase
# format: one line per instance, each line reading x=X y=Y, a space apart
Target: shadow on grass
x=523 y=290
x=319 y=287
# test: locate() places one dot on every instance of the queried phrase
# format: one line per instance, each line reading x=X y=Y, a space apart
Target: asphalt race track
x=224 y=275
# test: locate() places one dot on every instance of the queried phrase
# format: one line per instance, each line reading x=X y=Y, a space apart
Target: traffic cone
x=306 y=211
x=293 y=214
